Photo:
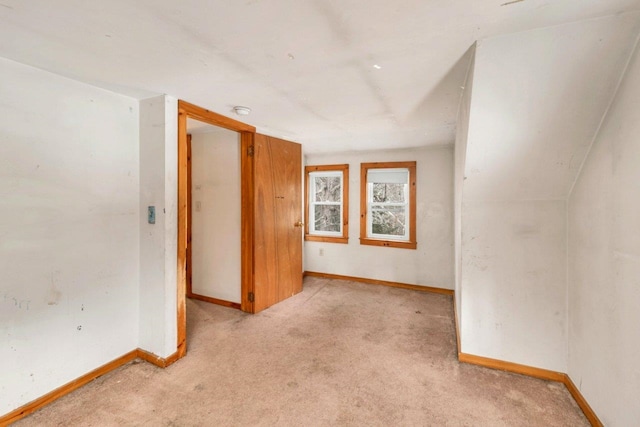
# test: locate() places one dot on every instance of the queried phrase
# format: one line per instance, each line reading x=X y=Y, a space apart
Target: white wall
x=431 y=264
x=68 y=230
x=604 y=263
x=533 y=113
x=459 y=155
x=216 y=214
x=513 y=281
x=158 y=242
x=535 y=109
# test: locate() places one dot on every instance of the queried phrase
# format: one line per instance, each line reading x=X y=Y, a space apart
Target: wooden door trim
x=181 y=296
x=189 y=266
x=204 y=115
x=247 y=215
x=247 y=132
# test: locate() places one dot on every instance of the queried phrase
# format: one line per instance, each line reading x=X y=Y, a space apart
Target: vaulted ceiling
x=333 y=74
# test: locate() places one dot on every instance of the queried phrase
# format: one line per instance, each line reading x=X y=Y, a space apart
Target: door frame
x=247 y=134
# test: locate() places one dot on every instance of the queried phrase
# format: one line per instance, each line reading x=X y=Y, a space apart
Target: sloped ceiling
x=305 y=67
x=537 y=102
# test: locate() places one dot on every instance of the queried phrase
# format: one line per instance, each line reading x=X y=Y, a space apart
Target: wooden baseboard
x=34 y=405
x=157 y=360
x=380 y=282
x=502 y=365
x=61 y=391
x=582 y=402
x=512 y=367
x=536 y=373
x=457 y=323
x=214 y=300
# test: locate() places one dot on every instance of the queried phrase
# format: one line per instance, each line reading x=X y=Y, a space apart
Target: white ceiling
x=218 y=54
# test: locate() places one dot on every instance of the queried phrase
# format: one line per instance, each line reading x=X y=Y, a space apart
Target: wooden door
x=278 y=224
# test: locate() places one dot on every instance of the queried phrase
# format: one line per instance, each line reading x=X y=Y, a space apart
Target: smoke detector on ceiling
x=241 y=111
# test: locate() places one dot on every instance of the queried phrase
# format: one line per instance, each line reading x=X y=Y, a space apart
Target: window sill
x=325 y=239
x=388 y=243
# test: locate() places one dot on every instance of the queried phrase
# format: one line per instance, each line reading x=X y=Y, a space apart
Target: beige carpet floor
x=339 y=353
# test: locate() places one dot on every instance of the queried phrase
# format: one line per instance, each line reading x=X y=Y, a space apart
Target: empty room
x=320 y=212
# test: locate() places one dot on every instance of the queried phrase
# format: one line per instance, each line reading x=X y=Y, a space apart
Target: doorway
x=189 y=111
x=213 y=214
x=271 y=227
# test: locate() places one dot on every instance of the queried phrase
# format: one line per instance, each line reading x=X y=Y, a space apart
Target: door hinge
x=250 y=151
x=252 y=297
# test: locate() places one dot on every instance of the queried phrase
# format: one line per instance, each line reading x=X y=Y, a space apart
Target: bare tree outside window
x=326 y=203
x=327 y=216
x=388 y=204
x=388 y=218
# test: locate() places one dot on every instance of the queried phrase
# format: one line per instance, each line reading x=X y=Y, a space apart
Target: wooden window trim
x=364 y=240
x=344 y=168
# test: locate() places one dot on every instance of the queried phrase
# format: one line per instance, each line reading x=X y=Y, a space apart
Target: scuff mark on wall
x=526 y=230
x=435 y=209
x=54 y=295
x=19 y=303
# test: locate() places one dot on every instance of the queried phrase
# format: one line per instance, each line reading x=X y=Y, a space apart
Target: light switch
x=198 y=206
x=151 y=214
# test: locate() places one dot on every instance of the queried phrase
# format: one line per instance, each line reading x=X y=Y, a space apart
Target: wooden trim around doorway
x=204 y=115
x=181 y=297
x=247 y=132
x=247 y=226
x=189 y=264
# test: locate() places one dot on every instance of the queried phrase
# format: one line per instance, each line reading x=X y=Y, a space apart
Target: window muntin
x=327 y=203
x=387 y=204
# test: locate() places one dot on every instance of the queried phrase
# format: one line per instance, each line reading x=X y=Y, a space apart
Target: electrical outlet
x=321 y=251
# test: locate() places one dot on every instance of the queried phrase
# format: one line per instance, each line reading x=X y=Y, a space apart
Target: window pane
x=327 y=218
x=327 y=188
x=389 y=220
x=388 y=193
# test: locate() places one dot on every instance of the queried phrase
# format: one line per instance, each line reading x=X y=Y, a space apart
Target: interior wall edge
x=614 y=96
x=582 y=402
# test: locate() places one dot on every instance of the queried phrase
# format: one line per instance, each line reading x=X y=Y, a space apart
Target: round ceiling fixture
x=241 y=111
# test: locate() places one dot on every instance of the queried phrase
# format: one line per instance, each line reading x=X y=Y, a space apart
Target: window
x=388 y=204
x=327 y=203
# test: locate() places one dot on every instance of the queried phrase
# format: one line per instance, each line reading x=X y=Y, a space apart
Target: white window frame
x=310 y=233
x=313 y=203
x=371 y=204
x=367 y=237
